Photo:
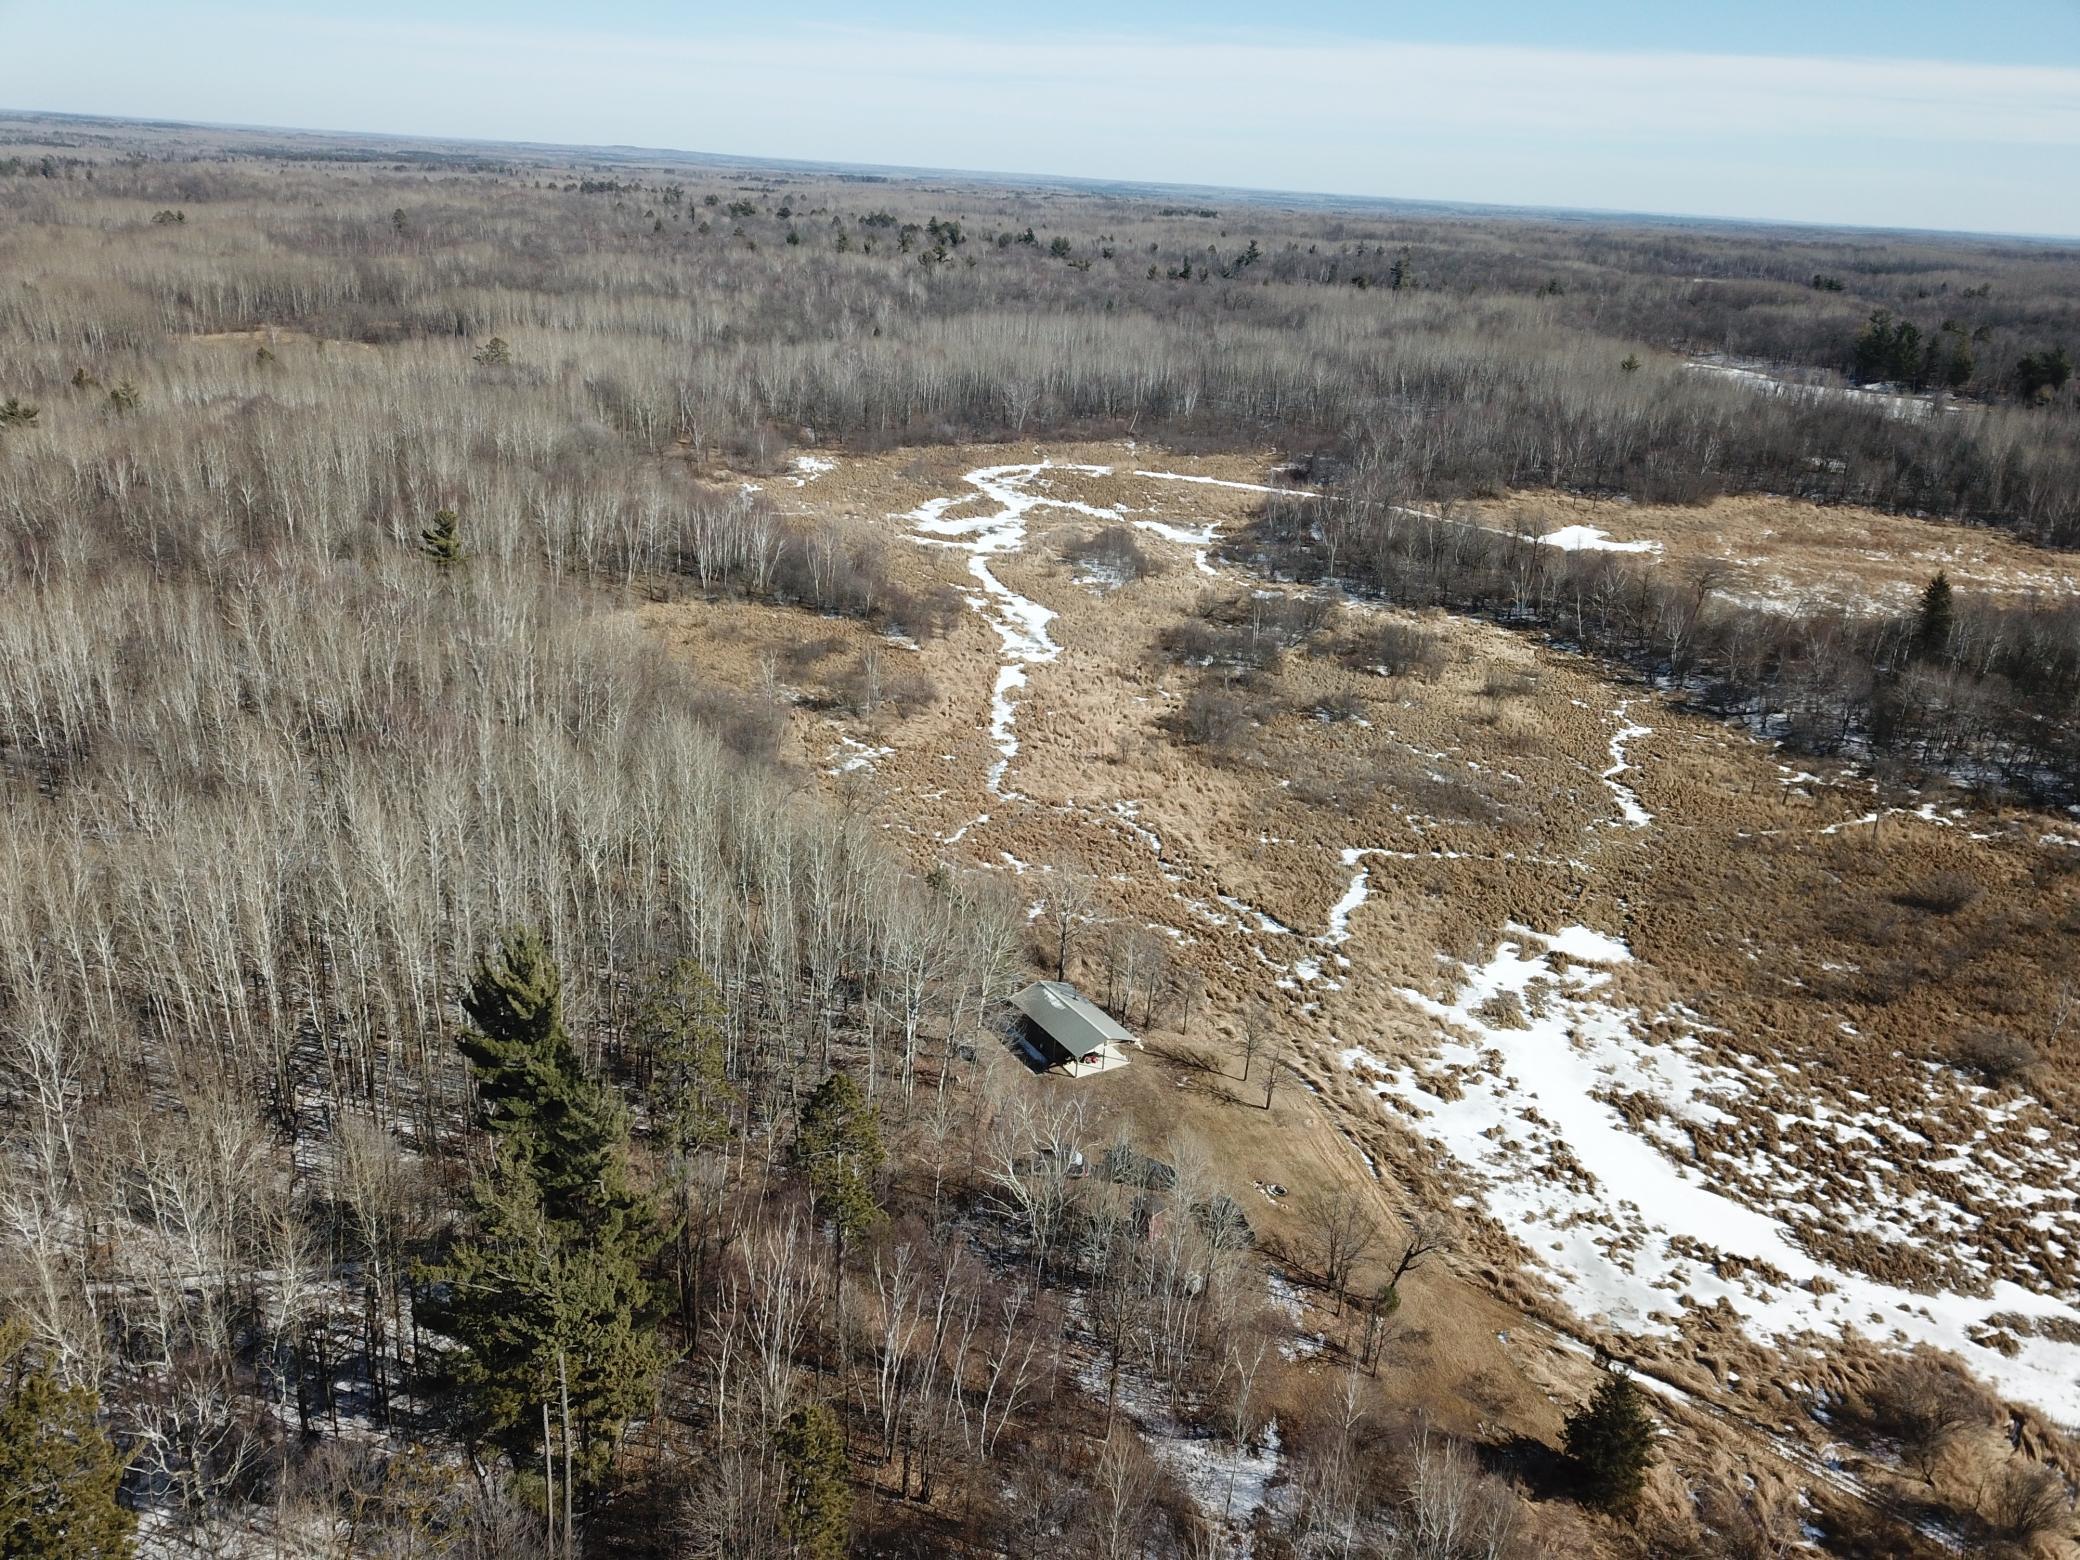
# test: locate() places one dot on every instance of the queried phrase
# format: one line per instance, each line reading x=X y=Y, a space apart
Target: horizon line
x=1254 y=193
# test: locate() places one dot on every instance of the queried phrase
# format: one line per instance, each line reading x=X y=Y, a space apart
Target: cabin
x=1059 y=1027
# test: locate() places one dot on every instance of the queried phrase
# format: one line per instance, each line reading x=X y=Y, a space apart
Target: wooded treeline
x=263 y=821
x=1469 y=356
x=1980 y=690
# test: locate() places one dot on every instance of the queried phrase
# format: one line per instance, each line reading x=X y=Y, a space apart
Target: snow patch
x=1635 y=816
x=1021 y=623
x=1222 y=482
x=1587 y=538
x=851 y=755
x=1625 y=1232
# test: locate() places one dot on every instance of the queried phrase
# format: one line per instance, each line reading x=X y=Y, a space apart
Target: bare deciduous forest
x=469 y=1091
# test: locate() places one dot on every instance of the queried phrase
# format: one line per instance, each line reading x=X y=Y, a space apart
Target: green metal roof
x=1069 y=1020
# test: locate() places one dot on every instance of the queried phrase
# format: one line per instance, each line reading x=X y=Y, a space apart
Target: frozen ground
x=1229 y=1484
x=1524 y=1093
x=851 y=755
x=1020 y=622
x=1892 y=402
x=1587 y=538
x=1634 y=815
x=1650 y=1167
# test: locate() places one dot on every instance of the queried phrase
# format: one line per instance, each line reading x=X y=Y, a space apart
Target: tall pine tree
x=679 y=1040
x=545 y=1291
x=565 y=1128
x=683 y=1061
x=442 y=540
x=838 y=1148
x=1938 y=617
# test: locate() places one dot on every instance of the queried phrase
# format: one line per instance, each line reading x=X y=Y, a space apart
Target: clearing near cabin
x=1541 y=949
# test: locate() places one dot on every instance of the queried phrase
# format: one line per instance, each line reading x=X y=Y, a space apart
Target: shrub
x=1940 y=893
x=1395 y=649
x=1925 y=1403
x=1197 y=644
x=871 y=684
x=1996 y=1055
x=2028 y=1502
x=1114 y=552
x=1210 y=718
x=1509 y=682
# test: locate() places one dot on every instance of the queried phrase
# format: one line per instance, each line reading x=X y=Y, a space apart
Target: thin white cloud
x=1475 y=86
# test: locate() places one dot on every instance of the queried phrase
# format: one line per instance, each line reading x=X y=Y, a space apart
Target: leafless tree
x=1344 y=1232
x=1256 y=1037
x=1034 y=1161
x=1072 y=903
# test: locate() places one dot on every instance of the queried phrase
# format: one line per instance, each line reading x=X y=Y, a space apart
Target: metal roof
x=1070 y=1021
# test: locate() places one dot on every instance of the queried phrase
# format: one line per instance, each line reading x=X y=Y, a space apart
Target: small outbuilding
x=1064 y=1029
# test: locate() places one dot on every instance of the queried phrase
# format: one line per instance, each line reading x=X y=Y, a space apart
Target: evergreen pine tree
x=58 y=1471
x=1938 y=616
x=818 y=1497
x=691 y=1104
x=2042 y=374
x=440 y=541
x=1611 y=1441
x=548 y=1316
x=546 y=1291
x=565 y=1126
x=679 y=1034
x=839 y=1148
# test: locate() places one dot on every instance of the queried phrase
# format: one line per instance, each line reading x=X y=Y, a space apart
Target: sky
x=1963 y=115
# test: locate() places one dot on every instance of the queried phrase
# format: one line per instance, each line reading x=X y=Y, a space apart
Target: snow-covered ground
x=1229 y=1484
x=1634 y=814
x=1588 y=538
x=1222 y=482
x=1341 y=912
x=1895 y=403
x=1529 y=1060
x=1020 y=622
x=851 y=755
x=1197 y=537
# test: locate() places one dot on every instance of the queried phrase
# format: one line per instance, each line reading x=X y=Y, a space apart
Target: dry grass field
x=1787 y=555
x=1730 y=1066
